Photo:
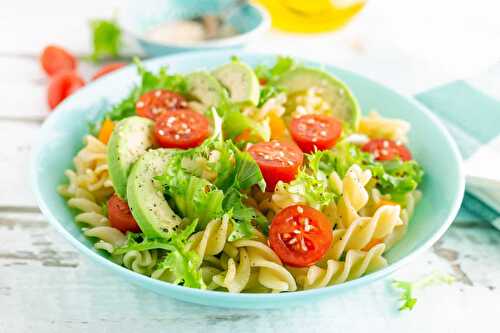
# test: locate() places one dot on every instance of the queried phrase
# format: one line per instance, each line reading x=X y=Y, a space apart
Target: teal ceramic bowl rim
x=263 y=26
x=217 y=296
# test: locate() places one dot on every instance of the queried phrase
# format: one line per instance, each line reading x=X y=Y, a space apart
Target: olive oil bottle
x=311 y=16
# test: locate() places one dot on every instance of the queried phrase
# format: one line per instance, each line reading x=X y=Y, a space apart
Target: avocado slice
x=129 y=140
x=335 y=92
x=241 y=82
x=146 y=201
x=205 y=88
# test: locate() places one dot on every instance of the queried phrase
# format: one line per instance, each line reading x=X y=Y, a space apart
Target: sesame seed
x=290 y=162
x=158 y=93
x=296 y=231
x=177 y=137
x=292 y=241
x=303 y=244
x=162 y=132
x=140 y=104
x=385 y=144
x=300 y=210
x=322 y=133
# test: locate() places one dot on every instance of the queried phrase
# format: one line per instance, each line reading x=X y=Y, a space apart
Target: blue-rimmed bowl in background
x=138 y=17
x=443 y=185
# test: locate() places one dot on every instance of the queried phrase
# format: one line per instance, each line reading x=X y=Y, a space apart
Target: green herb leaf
x=409 y=288
x=106 y=39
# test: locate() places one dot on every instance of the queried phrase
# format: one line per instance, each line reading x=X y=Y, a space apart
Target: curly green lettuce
x=206 y=182
x=395 y=178
x=408 y=288
x=183 y=264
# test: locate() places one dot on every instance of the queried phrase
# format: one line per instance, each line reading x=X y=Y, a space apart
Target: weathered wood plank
x=41 y=271
x=16 y=139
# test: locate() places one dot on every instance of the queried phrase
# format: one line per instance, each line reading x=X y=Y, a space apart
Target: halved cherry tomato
x=386 y=150
x=315 y=131
x=55 y=59
x=155 y=102
x=300 y=235
x=106 y=69
x=120 y=216
x=182 y=128
x=277 y=161
x=61 y=86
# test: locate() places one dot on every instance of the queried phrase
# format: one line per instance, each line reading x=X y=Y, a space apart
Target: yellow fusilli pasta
x=377 y=127
x=364 y=231
x=354 y=195
x=356 y=264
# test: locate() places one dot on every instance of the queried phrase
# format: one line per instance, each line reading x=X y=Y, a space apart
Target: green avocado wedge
x=241 y=82
x=129 y=140
x=205 y=88
x=146 y=201
x=343 y=103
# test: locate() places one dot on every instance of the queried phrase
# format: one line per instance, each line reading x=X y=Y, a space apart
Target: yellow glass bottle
x=310 y=16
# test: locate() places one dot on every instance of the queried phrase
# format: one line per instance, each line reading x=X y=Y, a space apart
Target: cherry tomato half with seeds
x=181 y=128
x=315 y=132
x=106 y=69
x=300 y=235
x=152 y=104
x=61 y=86
x=386 y=150
x=277 y=161
x=55 y=59
x=120 y=216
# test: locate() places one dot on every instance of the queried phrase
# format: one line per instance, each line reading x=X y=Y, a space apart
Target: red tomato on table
x=300 y=235
x=120 y=216
x=155 y=102
x=55 y=59
x=277 y=161
x=315 y=131
x=61 y=86
x=106 y=69
x=386 y=150
x=181 y=128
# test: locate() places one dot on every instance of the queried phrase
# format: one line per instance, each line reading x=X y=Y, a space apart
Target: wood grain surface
x=46 y=286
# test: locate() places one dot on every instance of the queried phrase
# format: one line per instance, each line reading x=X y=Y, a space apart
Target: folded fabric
x=473 y=120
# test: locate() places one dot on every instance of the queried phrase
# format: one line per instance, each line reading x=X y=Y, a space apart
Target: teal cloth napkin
x=473 y=120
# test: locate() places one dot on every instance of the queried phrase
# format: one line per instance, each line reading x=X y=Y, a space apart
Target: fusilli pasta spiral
x=364 y=231
x=356 y=264
x=377 y=127
x=354 y=195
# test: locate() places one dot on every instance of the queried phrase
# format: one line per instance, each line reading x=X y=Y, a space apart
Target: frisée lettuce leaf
x=183 y=264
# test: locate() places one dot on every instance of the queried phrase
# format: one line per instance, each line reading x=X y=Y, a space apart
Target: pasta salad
x=241 y=179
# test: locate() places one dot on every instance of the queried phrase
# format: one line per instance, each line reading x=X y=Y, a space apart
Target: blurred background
x=409 y=45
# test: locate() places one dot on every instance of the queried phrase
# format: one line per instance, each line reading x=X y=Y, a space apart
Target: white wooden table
x=45 y=285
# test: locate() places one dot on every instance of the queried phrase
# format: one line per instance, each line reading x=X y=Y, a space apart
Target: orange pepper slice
x=277 y=126
x=106 y=131
x=372 y=243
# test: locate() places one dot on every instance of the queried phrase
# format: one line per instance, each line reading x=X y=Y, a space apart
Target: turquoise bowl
x=137 y=17
x=61 y=137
